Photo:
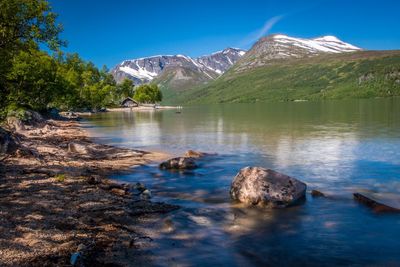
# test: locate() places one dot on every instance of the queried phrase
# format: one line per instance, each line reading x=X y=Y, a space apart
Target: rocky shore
x=57 y=206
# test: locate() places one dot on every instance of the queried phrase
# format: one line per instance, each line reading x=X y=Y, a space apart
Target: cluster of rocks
x=252 y=185
x=258 y=186
x=136 y=191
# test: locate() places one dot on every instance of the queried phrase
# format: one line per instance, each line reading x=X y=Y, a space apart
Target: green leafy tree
x=33 y=80
x=126 y=88
x=24 y=24
x=148 y=93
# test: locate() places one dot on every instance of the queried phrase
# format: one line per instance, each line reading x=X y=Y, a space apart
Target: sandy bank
x=56 y=200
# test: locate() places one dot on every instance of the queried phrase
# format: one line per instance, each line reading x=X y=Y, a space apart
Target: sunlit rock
x=265 y=187
x=78 y=148
x=15 y=124
x=197 y=154
x=194 y=154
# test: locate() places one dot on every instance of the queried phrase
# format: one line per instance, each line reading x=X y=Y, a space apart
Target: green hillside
x=363 y=74
x=175 y=80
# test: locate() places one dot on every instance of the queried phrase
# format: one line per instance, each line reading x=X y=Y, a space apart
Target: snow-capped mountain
x=181 y=72
x=144 y=70
x=221 y=61
x=279 y=46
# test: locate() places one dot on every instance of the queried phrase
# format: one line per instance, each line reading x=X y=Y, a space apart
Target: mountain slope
x=144 y=70
x=359 y=74
x=273 y=48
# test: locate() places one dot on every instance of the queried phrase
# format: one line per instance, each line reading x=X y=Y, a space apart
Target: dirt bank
x=55 y=200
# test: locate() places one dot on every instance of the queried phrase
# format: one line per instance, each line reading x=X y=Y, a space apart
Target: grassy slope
x=174 y=81
x=322 y=77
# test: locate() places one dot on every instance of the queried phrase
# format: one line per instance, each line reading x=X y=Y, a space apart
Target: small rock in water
x=179 y=163
x=265 y=187
x=168 y=225
x=146 y=194
x=379 y=202
x=316 y=193
x=140 y=187
x=197 y=154
x=194 y=154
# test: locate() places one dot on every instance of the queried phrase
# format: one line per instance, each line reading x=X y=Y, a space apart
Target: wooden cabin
x=129 y=103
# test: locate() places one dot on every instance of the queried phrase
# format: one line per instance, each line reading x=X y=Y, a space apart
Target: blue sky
x=107 y=32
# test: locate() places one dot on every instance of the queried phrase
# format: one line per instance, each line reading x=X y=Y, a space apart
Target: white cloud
x=253 y=37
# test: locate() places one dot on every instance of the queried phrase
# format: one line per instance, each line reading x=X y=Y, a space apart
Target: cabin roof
x=128 y=99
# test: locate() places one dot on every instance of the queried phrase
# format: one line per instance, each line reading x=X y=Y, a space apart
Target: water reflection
x=336 y=147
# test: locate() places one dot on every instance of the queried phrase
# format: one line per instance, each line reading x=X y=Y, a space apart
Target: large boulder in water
x=265 y=187
x=179 y=163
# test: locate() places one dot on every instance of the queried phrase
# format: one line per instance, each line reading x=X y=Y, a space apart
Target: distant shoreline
x=143 y=108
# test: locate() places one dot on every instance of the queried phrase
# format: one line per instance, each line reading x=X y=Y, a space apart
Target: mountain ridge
x=145 y=69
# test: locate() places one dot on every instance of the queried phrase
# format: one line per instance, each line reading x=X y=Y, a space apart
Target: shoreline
x=56 y=200
x=76 y=114
x=143 y=108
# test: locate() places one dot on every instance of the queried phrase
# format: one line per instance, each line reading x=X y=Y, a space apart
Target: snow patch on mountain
x=326 y=44
x=140 y=73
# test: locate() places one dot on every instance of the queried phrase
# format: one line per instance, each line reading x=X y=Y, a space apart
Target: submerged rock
x=316 y=193
x=140 y=187
x=194 y=154
x=379 y=202
x=197 y=154
x=265 y=187
x=179 y=163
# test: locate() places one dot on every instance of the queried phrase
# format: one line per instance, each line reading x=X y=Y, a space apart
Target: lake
x=337 y=147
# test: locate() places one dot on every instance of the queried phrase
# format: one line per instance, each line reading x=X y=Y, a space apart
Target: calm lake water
x=337 y=147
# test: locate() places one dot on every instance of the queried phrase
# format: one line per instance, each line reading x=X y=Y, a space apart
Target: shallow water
x=337 y=147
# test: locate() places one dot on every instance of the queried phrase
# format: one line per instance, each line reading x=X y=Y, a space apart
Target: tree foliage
x=126 y=88
x=34 y=79
x=148 y=93
x=25 y=23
